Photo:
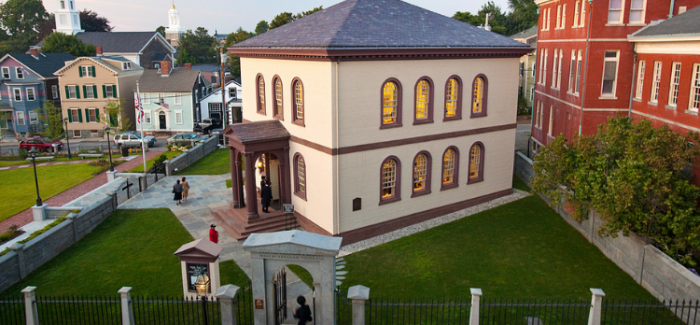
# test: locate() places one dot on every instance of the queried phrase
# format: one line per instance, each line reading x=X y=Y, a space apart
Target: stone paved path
x=73 y=193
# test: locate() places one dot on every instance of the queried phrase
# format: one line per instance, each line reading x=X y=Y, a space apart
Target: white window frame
x=109 y=91
x=75 y=115
x=656 y=83
x=33 y=92
x=20 y=118
x=674 y=84
x=33 y=118
x=88 y=118
x=540 y=66
x=15 y=93
x=541 y=113
x=576 y=15
x=87 y=72
x=572 y=72
x=146 y=99
x=549 y=16
x=583 y=14
x=536 y=107
x=640 y=80
x=74 y=94
x=127 y=66
x=147 y=117
x=19 y=73
x=544 y=74
x=77 y=134
x=561 y=59
x=621 y=11
x=579 y=67
x=161 y=98
x=642 y=14
x=694 y=100
x=551 y=121
x=89 y=90
x=554 y=69
x=558 y=24
x=616 y=60
x=178 y=99
x=179 y=119
x=563 y=16
x=6 y=73
x=54 y=91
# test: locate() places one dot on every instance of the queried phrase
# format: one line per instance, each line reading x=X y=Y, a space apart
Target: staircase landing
x=236 y=224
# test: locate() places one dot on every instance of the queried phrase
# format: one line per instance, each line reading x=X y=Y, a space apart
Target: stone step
x=239 y=228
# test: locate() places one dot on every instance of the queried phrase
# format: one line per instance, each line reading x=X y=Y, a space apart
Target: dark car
x=40 y=144
x=183 y=139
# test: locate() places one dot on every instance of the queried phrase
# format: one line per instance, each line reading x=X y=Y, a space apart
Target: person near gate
x=177 y=190
x=185 y=189
x=213 y=234
x=266 y=196
x=303 y=312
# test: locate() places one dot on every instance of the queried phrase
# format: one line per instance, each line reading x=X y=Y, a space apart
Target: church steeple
x=67 y=18
x=174 y=30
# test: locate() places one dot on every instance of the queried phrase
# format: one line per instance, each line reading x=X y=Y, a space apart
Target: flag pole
x=140 y=119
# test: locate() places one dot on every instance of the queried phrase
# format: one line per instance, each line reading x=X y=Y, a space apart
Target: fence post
x=127 y=310
x=596 y=302
x=30 y=309
x=19 y=249
x=227 y=300
x=474 y=310
x=358 y=294
x=167 y=167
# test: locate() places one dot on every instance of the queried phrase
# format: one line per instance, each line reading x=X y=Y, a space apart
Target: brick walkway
x=74 y=192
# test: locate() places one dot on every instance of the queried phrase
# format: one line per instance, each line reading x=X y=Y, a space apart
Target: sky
x=227 y=15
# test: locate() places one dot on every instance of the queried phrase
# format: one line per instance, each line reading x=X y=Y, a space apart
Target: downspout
x=634 y=77
x=585 y=73
x=337 y=157
x=532 y=111
x=670 y=10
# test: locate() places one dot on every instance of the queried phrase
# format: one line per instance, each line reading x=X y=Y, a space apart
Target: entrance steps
x=235 y=222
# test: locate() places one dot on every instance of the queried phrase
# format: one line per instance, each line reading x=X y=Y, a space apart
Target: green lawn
x=5 y=163
x=518 y=250
x=149 y=163
x=215 y=163
x=131 y=248
x=19 y=191
x=519 y=184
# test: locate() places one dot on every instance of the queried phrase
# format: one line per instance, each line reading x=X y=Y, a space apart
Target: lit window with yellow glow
x=420 y=167
x=389 y=179
x=478 y=104
x=278 y=96
x=451 y=98
x=475 y=161
x=261 y=94
x=389 y=103
x=448 y=167
x=422 y=99
x=299 y=100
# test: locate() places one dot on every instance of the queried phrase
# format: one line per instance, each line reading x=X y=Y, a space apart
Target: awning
x=6 y=108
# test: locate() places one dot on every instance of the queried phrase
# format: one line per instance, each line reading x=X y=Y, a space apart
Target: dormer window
x=232 y=93
x=63 y=5
x=20 y=73
x=86 y=71
x=127 y=66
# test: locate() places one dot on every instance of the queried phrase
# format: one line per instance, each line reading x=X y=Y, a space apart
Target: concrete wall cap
x=476 y=292
x=227 y=291
x=317 y=244
x=358 y=292
x=16 y=246
x=597 y=292
x=28 y=289
x=124 y=290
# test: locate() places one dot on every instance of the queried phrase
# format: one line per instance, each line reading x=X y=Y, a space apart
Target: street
x=11 y=148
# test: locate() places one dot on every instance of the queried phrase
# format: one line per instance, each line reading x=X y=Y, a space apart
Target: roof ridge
x=345 y=20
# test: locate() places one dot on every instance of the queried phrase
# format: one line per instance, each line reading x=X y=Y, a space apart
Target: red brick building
x=586 y=63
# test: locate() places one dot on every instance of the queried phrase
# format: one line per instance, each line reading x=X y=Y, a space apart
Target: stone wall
x=25 y=258
x=653 y=269
x=190 y=156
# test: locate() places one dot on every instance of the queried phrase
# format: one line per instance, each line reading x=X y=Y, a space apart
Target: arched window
x=391 y=180
x=277 y=110
x=453 y=98
x=298 y=103
x=479 y=96
x=391 y=104
x=261 y=94
x=424 y=101
x=476 y=163
x=421 y=173
x=450 y=168
x=299 y=176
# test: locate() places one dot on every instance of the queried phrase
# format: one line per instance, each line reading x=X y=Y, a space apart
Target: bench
x=49 y=158
x=90 y=155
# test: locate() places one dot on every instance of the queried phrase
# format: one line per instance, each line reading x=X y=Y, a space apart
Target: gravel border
x=432 y=223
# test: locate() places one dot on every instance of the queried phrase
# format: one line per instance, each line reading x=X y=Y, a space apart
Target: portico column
x=235 y=178
x=286 y=175
x=251 y=195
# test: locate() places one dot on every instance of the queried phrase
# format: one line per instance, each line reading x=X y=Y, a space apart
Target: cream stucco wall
x=320 y=191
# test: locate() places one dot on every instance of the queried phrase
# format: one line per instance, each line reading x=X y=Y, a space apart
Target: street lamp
x=65 y=130
x=202 y=286
x=109 y=147
x=36 y=181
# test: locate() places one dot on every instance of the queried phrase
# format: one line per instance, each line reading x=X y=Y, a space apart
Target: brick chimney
x=98 y=49
x=165 y=68
x=35 y=51
x=188 y=66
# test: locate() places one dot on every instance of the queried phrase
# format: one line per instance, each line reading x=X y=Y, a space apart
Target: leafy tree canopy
x=114 y=113
x=20 y=24
x=60 y=43
x=288 y=17
x=234 y=62
x=523 y=16
x=634 y=175
x=497 y=19
x=161 y=30
x=91 y=22
x=198 y=47
x=262 y=27
x=51 y=120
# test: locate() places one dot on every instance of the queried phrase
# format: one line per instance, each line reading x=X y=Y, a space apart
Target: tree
x=161 y=30
x=262 y=27
x=59 y=43
x=497 y=20
x=634 y=175
x=91 y=22
x=234 y=62
x=288 y=17
x=51 y=120
x=523 y=15
x=20 y=23
x=198 y=47
x=114 y=111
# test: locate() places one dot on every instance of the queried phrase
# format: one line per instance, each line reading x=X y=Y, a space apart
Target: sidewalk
x=74 y=192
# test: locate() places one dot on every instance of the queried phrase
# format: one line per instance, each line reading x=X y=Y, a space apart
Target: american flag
x=164 y=105
x=139 y=108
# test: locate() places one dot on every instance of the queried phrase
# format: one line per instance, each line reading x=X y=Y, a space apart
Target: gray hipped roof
x=530 y=32
x=375 y=24
x=180 y=80
x=117 y=42
x=45 y=64
x=683 y=24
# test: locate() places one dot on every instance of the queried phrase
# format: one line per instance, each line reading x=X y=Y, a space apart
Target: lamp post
x=65 y=131
x=109 y=147
x=36 y=180
x=202 y=286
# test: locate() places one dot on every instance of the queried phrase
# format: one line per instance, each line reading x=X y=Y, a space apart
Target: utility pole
x=224 y=106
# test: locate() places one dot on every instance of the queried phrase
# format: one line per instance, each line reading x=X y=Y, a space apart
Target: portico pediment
x=298 y=244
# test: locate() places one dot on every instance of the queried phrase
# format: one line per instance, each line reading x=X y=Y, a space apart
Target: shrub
x=23 y=154
x=10 y=233
x=98 y=149
x=160 y=160
x=7 y=250
x=84 y=150
x=39 y=232
x=169 y=146
x=188 y=147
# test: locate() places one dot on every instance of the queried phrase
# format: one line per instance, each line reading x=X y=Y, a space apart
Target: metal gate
x=280 y=281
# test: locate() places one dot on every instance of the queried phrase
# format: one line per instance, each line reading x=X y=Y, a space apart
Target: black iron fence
x=534 y=311
x=244 y=305
x=642 y=312
x=12 y=310
x=79 y=310
x=175 y=311
x=417 y=311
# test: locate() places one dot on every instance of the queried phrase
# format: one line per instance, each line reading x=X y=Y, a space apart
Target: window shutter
x=80 y=115
x=70 y=115
x=97 y=114
x=93 y=71
x=85 y=91
x=67 y=93
x=80 y=72
x=114 y=91
x=77 y=91
x=104 y=91
x=111 y=120
x=94 y=91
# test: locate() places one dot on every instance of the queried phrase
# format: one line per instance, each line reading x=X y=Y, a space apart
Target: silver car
x=133 y=140
x=183 y=139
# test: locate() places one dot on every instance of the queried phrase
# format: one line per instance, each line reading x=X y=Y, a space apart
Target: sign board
x=193 y=270
x=288 y=208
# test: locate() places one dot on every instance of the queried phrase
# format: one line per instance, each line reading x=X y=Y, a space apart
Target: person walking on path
x=303 y=313
x=266 y=197
x=185 y=188
x=213 y=234
x=177 y=190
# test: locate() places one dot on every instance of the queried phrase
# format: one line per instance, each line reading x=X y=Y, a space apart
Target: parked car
x=183 y=139
x=133 y=140
x=207 y=125
x=40 y=144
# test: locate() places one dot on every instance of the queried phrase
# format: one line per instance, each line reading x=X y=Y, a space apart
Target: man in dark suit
x=266 y=196
x=262 y=183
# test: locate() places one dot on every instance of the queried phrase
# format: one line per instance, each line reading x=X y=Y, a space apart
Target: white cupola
x=67 y=18
x=174 y=30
